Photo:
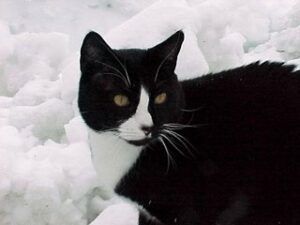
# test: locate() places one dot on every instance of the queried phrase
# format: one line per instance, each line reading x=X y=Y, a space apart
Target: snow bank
x=118 y=214
x=34 y=56
x=46 y=174
x=167 y=17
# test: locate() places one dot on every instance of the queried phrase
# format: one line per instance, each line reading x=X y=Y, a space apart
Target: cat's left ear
x=93 y=50
x=167 y=51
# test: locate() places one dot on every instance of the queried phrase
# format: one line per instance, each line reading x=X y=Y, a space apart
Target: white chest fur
x=112 y=157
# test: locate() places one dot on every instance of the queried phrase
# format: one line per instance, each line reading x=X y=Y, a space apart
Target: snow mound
x=118 y=214
x=168 y=17
x=34 y=56
x=46 y=173
x=46 y=119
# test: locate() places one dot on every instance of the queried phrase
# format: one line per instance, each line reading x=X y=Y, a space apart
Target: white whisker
x=178 y=126
x=168 y=139
x=174 y=126
x=169 y=156
x=182 y=140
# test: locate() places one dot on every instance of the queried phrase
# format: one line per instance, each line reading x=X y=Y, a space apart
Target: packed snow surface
x=46 y=174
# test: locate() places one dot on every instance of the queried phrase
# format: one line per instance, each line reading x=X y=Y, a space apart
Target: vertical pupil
x=121 y=100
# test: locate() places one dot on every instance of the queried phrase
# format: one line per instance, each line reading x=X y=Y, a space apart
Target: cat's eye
x=161 y=98
x=121 y=100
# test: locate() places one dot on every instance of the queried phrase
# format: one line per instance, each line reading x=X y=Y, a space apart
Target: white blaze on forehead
x=131 y=129
x=142 y=114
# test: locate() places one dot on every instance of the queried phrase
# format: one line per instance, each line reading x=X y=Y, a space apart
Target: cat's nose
x=147 y=130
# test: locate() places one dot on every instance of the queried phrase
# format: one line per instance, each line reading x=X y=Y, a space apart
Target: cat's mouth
x=139 y=142
x=144 y=141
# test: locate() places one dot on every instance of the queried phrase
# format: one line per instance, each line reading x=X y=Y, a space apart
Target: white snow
x=118 y=214
x=46 y=172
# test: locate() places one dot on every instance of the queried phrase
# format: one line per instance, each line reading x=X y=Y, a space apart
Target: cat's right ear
x=167 y=51
x=93 y=50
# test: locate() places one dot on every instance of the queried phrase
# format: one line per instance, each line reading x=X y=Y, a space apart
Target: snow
x=34 y=55
x=167 y=17
x=46 y=173
x=118 y=214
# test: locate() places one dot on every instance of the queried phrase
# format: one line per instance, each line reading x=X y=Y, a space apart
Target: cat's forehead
x=132 y=56
x=138 y=64
x=134 y=59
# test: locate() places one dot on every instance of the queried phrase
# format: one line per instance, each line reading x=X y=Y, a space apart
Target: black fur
x=241 y=165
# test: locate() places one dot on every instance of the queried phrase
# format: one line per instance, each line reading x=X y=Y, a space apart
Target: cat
x=220 y=149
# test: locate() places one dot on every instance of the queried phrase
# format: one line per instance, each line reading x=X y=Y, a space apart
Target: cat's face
x=133 y=92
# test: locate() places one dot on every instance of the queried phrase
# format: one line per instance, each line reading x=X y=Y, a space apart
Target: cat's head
x=132 y=92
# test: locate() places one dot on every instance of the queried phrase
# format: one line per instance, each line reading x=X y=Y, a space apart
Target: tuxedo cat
x=221 y=149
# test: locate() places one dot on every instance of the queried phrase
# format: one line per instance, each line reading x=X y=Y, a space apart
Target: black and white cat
x=222 y=149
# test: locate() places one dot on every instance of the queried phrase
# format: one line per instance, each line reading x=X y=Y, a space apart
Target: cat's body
x=247 y=148
x=224 y=150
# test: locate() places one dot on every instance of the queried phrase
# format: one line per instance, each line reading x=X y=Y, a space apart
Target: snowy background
x=46 y=173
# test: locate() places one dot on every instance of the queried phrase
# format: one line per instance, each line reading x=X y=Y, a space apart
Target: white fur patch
x=131 y=129
x=112 y=157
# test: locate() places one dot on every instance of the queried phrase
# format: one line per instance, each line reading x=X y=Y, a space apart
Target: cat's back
x=258 y=83
x=248 y=117
x=261 y=96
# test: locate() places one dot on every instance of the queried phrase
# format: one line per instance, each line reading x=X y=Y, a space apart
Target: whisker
x=178 y=126
x=182 y=137
x=182 y=140
x=175 y=124
x=169 y=156
x=168 y=139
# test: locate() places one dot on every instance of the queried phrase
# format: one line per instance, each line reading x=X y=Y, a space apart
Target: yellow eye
x=161 y=98
x=121 y=100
